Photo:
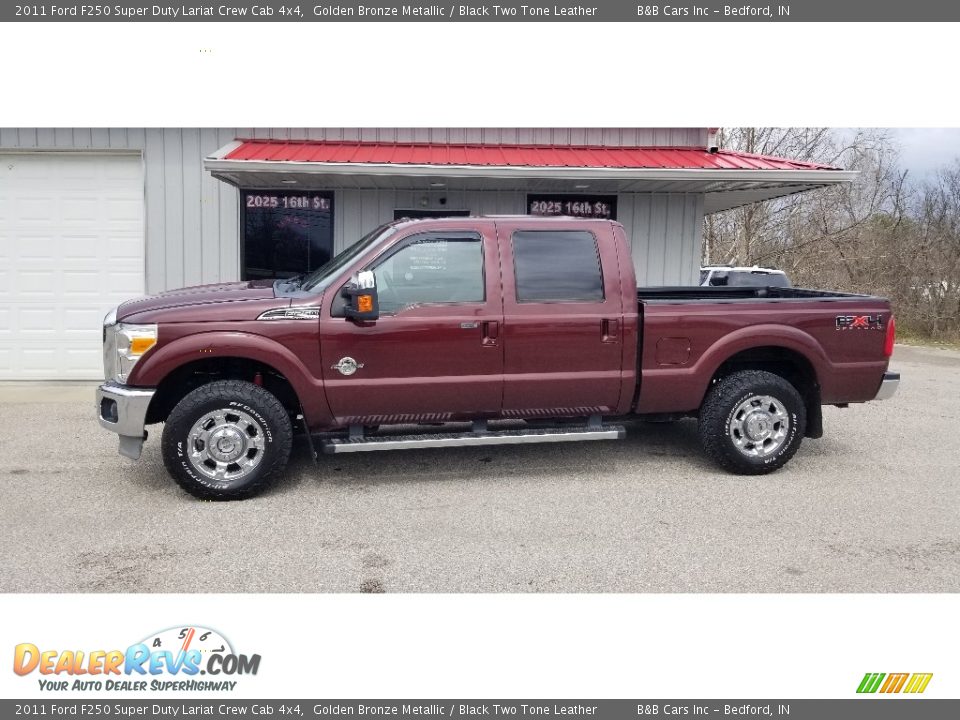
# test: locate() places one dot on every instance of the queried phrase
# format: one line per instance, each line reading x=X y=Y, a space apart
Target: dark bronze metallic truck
x=470 y=331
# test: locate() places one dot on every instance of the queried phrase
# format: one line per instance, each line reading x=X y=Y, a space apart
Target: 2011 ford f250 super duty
x=468 y=331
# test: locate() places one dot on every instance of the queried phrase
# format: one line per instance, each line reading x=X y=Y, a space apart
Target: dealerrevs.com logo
x=179 y=658
x=909 y=683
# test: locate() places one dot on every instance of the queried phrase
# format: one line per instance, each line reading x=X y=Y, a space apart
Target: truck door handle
x=491 y=332
x=609 y=331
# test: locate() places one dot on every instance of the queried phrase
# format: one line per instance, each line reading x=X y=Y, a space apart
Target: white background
x=522 y=646
x=479 y=74
x=501 y=75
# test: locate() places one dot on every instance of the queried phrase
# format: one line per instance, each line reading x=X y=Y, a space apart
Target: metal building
x=91 y=217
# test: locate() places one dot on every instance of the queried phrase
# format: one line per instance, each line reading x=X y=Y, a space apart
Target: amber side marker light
x=365 y=303
x=139 y=345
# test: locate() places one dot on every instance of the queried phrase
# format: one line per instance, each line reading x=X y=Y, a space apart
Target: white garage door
x=71 y=247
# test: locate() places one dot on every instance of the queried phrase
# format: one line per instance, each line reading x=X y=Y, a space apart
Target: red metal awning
x=508 y=156
x=725 y=178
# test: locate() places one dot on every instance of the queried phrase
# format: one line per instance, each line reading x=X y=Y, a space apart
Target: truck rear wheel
x=226 y=439
x=752 y=422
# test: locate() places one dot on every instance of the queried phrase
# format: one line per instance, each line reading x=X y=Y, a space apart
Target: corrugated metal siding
x=665 y=232
x=356 y=212
x=191 y=219
x=665 y=229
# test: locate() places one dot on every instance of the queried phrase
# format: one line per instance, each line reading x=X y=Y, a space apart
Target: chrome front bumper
x=888 y=386
x=123 y=410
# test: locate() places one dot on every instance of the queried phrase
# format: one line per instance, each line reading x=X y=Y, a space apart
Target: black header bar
x=504 y=11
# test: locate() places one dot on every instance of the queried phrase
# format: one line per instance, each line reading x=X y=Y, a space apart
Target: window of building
x=430 y=270
x=557 y=266
x=285 y=233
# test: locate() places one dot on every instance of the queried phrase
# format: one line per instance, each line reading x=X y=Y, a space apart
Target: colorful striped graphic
x=918 y=683
x=894 y=682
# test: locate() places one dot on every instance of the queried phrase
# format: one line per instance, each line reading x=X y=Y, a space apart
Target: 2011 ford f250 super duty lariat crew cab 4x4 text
x=469 y=331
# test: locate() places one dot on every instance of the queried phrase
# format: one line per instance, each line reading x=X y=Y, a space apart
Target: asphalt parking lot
x=874 y=506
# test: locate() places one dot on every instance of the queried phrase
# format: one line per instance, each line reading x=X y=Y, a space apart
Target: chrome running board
x=332 y=445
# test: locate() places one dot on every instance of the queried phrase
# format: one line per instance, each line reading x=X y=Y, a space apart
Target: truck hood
x=198 y=295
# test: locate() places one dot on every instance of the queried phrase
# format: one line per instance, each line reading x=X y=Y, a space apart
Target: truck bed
x=687 y=293
x=688 y=332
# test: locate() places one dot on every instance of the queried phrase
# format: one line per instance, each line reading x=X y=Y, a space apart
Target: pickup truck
x=473 y=331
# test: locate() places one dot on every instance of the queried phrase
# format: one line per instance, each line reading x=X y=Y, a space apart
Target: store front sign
x=600 y=207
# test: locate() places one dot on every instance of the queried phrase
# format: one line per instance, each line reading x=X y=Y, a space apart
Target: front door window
x=429 y=271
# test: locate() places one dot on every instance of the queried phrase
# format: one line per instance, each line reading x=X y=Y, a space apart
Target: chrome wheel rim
x=225 y=445
x=759 y=426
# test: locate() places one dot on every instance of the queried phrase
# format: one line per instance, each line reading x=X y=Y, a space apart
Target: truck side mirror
x=361 y=295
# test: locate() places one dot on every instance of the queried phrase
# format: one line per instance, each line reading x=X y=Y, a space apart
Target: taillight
x=891 y=337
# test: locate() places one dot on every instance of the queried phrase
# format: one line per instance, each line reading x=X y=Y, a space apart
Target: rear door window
x=557 y=266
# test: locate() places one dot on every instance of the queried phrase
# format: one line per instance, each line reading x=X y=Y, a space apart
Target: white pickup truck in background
x=755 y=276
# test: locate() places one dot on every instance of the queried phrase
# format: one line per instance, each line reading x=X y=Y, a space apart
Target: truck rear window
x=557 y=266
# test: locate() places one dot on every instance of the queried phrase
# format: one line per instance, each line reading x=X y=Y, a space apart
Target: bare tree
x=880 y=234
x=929 y=280
x=783 y=232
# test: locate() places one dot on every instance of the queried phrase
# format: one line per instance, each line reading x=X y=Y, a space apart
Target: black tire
x=253 y=402
x=717 y=418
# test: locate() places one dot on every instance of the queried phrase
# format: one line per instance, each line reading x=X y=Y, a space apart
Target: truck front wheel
x=752 y=422
x=226 y=439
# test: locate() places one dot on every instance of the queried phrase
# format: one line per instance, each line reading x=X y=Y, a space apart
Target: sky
x=923 y=150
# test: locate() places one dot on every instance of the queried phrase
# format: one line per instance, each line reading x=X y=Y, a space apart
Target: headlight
x=132 y=342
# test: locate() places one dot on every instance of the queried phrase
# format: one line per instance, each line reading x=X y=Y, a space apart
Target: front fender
x=164 y=359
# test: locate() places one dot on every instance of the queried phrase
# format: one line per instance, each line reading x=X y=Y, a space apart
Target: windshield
x=326 y=274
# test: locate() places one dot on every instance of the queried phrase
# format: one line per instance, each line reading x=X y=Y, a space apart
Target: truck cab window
x=557 y=266
x=429 y=271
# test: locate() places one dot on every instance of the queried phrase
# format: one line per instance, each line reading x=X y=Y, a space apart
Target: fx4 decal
x=859 y=322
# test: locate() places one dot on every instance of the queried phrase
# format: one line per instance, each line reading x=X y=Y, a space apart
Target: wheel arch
x=791 y=364
x=185 y=378
x=177 y=367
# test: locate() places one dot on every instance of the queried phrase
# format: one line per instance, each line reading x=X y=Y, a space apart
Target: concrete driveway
x=872 y=507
